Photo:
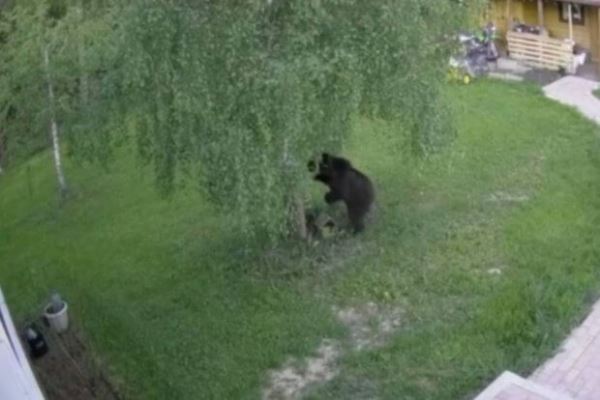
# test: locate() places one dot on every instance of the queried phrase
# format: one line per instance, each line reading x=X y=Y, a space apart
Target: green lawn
x=180 y=312
x=597 y=93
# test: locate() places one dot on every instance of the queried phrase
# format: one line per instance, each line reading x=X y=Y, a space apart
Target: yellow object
x=458 y=75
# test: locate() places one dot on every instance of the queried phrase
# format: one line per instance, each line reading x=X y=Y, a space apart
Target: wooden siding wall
x=587 y=35
x=498 y=10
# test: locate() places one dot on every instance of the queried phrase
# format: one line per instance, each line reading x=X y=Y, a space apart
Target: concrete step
x=508 y=64
x=509 y=386
x=505 y=76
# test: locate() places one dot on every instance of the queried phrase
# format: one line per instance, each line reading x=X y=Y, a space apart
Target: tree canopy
x=237 y=95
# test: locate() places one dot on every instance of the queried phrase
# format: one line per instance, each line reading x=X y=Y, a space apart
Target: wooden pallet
x=541 y=51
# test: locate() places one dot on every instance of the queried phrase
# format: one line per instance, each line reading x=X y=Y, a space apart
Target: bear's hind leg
x=357 y=219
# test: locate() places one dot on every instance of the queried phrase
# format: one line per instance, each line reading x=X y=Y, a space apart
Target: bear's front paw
x=330 y=198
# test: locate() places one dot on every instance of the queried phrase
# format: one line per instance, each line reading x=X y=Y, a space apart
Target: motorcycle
x=488 y=40
x=476 y=51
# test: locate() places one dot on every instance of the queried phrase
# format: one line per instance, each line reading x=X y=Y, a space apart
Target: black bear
x=347 y=184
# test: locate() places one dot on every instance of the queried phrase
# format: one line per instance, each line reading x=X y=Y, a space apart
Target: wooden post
x=570 y=9
x=509 y=24
x=598 y=38
x=540 y=9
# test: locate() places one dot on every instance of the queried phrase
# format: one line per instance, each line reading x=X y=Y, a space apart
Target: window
x=577 y=11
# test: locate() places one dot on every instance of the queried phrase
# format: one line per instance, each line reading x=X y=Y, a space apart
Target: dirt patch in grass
x=69 y=370
x=370 y=324
x=294 y=377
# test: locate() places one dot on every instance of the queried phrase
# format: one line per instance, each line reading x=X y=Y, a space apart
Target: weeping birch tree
x=236 y=96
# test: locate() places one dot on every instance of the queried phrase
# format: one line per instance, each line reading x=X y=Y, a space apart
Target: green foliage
x=235 y=97
x=78 y=38
x=22 y=83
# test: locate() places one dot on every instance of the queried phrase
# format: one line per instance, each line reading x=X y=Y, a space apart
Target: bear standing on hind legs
x=346 y=184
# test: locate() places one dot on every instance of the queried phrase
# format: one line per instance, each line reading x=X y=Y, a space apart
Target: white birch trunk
x=62 y=182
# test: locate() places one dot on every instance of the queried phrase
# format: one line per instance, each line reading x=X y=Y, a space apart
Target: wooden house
x=565 y=28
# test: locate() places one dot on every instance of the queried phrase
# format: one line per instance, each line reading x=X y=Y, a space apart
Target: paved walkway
x=574 y=372
x=576 y=92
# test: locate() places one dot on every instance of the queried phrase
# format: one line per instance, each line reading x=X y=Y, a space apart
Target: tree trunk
x=300 y=217
x=3 y=150
x=298 y=211
x=62 y=182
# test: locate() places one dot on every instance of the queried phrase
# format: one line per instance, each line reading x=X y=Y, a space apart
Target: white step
x=509 y=386
x=508 y=64
x=506 y=76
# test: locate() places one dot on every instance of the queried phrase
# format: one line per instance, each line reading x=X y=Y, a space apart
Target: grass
x=159 y=287
x=597 y=93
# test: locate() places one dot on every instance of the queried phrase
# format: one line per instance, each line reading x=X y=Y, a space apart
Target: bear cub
x=346 y=184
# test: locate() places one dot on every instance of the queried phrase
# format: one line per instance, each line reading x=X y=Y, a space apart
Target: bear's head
x=324 y=163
